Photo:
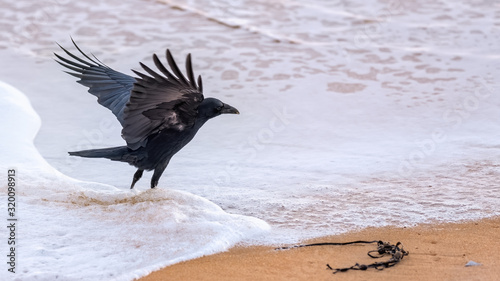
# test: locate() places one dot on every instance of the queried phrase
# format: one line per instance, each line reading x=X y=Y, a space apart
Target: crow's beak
x=229 y=109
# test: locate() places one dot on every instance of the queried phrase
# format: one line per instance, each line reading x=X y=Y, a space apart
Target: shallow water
x=353 y=114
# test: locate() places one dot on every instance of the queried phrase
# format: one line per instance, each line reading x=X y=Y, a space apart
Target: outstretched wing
x=159 y=102
x=112 y=88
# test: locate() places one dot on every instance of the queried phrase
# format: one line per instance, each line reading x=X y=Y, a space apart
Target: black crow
x=159 y=114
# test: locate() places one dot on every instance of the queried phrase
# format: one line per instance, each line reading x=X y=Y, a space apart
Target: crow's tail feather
x=112 y=153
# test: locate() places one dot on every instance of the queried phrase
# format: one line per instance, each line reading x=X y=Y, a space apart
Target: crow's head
x=210 y=108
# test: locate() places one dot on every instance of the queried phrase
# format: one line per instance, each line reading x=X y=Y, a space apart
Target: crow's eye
x=219 y=108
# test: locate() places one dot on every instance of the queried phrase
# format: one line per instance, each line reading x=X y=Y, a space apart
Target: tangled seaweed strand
x=396 y=252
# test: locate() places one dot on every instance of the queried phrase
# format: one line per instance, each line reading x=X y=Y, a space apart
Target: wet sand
x=437 y=252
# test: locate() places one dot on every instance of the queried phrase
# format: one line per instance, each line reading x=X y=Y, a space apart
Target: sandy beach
x=437 y=252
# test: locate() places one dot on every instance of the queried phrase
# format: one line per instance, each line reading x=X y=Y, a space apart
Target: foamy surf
x=73 y=230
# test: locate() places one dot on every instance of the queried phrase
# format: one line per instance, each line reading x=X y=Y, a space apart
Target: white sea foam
x=353 y=113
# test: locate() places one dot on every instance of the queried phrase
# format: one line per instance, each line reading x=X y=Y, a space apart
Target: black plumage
x=160 y=112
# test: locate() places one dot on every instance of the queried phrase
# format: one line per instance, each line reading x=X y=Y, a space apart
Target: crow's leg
x=157 y=175
x=137 y=176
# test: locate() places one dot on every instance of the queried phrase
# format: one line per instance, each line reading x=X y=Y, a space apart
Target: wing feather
x=175 y=68
x=189 y=71
x=163 y=70
x=200 y=84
